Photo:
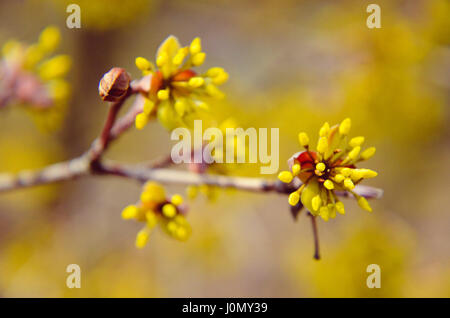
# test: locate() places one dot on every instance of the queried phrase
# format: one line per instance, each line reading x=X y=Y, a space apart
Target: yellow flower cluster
x=328 y=170
x=153 y=209
x=40 y=75
x=177 y=93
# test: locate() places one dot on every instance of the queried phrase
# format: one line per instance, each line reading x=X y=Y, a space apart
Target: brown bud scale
x=114 y=84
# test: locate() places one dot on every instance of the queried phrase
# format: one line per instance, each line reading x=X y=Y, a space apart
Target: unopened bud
x=114 y=85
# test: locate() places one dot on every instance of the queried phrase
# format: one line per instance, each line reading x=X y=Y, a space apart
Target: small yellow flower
x=46 y=93
x=155 y=209
x=178 y=94
x=328 y=172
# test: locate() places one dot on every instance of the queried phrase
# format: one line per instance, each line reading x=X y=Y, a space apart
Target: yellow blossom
x=178 y=93
x=328 y=172
x=155 y=209
x=34 y=63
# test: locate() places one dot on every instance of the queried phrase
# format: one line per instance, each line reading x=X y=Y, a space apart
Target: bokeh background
x=293 y=64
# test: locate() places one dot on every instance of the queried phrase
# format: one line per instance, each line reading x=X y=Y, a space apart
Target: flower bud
x=345 y=126
x=303 y=139
x=294 y=197
x=114 y=85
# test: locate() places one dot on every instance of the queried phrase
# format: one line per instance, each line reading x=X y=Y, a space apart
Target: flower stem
x=316 y=237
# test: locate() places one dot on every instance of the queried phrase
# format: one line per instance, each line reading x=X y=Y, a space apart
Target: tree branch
x=91 y=163
x=82 y=167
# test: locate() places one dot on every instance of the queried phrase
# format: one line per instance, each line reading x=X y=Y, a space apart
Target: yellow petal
x=142 y=238
x=324 y=130
x=303 y=139
x=49 y=38
x=322 y=145
x=294 y=197
x=356 y=141
x=198 y=58
x=362 y=202
x=310 y=191
x=151 y=218
x=143 y=64
x=348 y=184
x=320 y=166
x=169 y=210
x=353 y=154
x=367 y=173
x=170 y=46
x=344 y=127
x=196 y=46
x=153 y=192
x=328 y=184
x=368 y=153
x=285 y=176
x=130 y=212
x=296 y=169
x=177 y=199
x=324 y=213
x=141 y=120
x=340 y=207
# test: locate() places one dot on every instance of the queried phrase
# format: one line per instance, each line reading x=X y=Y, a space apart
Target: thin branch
x=162 y=162
x=127 y=120
x=316 y=236
x=54 y=173
x=81 y=167
x=167 y=176
x=101 y=143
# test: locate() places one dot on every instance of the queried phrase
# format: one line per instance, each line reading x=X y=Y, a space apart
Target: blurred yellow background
x=294 y=65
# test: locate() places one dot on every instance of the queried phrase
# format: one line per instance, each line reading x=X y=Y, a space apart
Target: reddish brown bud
x=114 y=85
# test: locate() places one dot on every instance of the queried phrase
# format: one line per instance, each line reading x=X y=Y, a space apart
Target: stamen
x=322 y=145
x=368 y=153
x=328 y=184
x=296 y=169
x=321 y=166
x=356 y=141
x=344 y=127
x=348 y=184
x=303 y=139
x=294 y=197
x=315 y=202
x=285 y=176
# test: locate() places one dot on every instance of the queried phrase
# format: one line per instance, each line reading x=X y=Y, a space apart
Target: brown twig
x=101 y=143
x=316 y=236
x=81 y=167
